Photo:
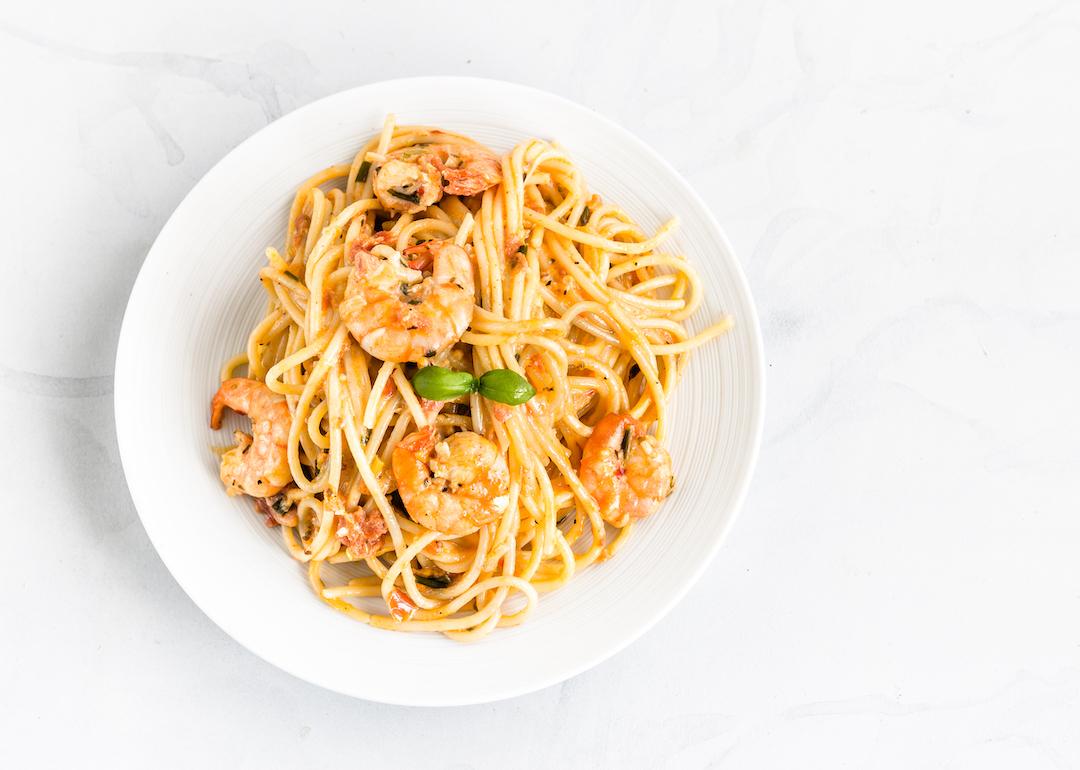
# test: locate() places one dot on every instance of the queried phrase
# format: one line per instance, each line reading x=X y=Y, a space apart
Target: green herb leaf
x=522 y=249
x=585 y=214
x=505 y=386
x=361 y=174
x=437 y=383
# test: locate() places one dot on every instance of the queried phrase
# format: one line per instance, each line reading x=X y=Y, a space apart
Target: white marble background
x=901 y=183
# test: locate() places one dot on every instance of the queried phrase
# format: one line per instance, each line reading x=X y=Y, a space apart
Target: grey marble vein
x=33 y=384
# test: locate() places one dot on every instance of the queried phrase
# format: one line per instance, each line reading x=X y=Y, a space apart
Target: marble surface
x=902 y=589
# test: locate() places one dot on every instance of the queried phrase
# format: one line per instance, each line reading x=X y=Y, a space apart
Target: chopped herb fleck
x=585 y=214
x=406 y=196
x=365 y=167
x=280 y=504
x=626 y=436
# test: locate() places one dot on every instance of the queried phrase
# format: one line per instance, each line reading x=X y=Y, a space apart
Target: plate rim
x=755 y=359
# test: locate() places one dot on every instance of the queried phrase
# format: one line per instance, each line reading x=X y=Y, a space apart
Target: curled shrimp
x=626 y=471
x=397 y=314
x=413 y=178
x=454 y=485
x=259 y=464
x=466 y=169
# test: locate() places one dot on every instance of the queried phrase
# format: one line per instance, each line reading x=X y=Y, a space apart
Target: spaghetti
x=554 y=324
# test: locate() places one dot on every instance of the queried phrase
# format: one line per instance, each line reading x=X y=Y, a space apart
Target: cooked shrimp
x=465 y=169
x=259 y=464
x=407 y=186
x=412 y=179
x=398 y=315
x=627 y=472
x=454 y=485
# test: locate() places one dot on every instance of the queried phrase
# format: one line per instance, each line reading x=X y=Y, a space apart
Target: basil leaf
x=505 y=386
x=437 y=383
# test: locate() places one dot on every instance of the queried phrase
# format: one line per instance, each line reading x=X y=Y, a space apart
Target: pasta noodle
x=569 y=295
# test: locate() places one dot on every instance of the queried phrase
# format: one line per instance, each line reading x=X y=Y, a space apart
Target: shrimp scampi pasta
x=457 y=395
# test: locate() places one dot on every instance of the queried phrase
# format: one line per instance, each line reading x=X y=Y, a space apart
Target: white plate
x=196 y=298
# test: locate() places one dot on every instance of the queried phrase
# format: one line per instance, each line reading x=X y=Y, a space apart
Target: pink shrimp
x=626 y=471
x=413 y=178
x=396 y=314
x=259 y=464
x=455 y=485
